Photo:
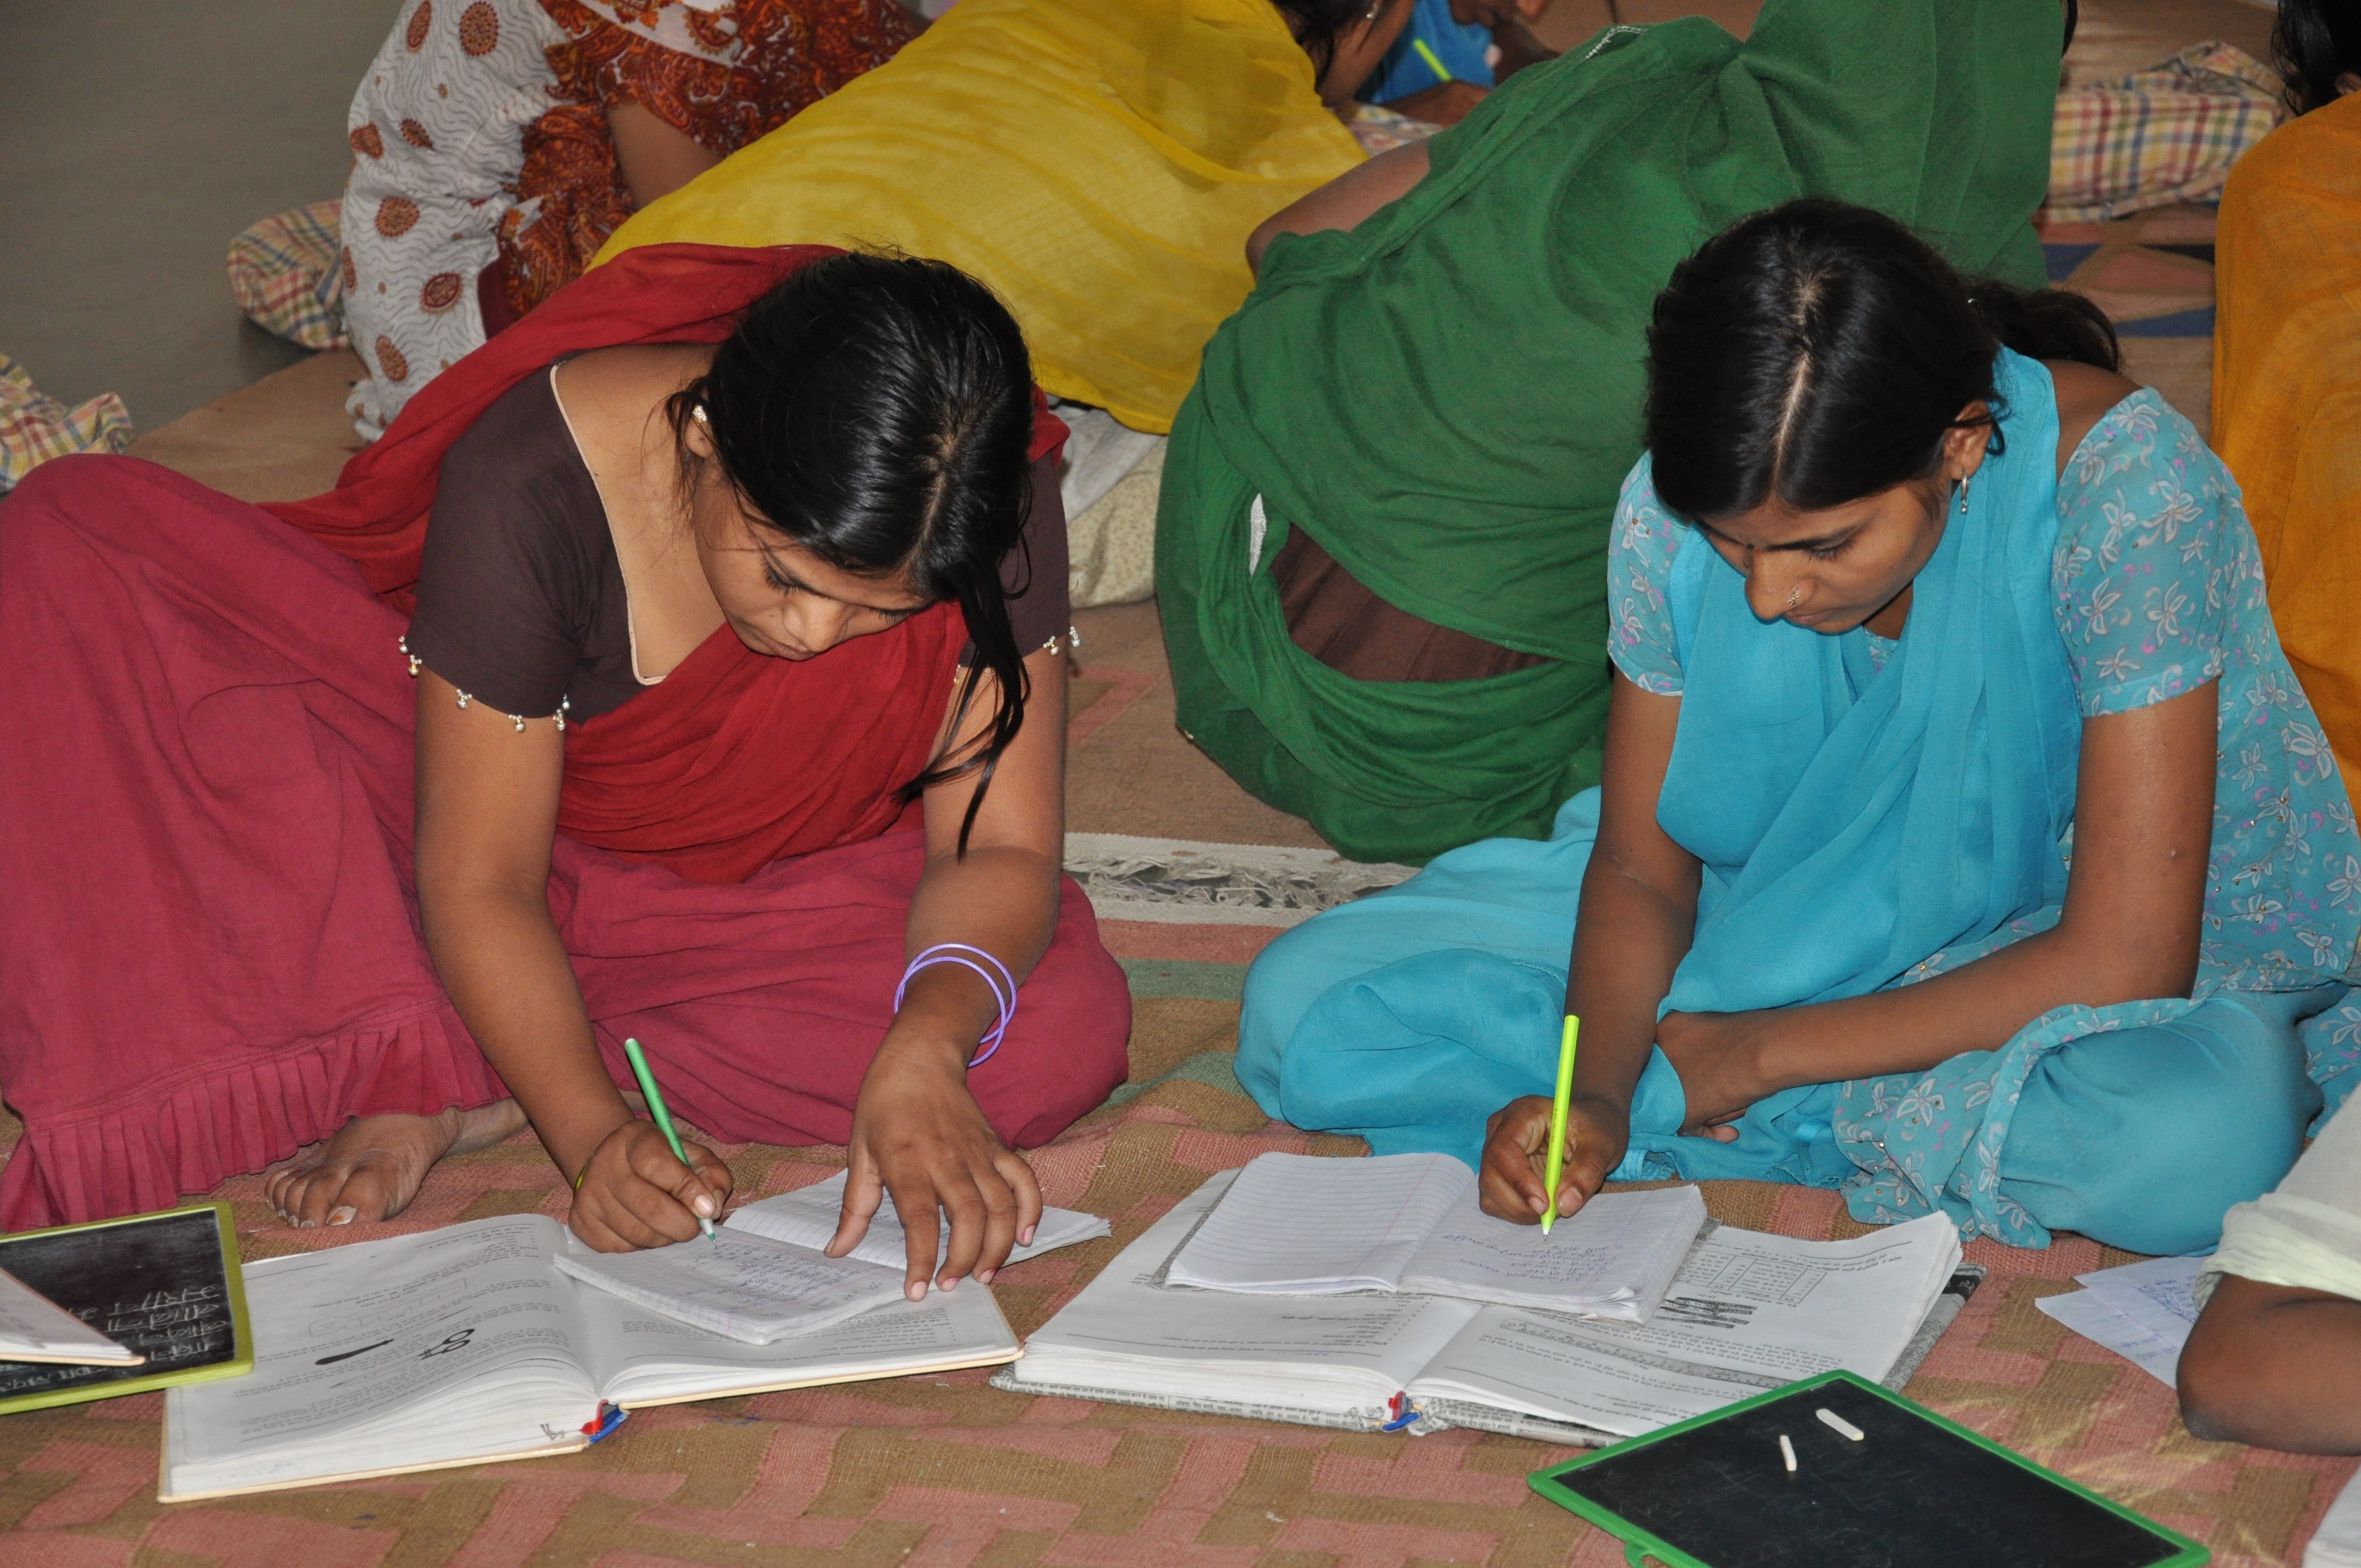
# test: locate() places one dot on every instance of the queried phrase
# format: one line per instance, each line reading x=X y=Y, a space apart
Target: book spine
x=1370 y=1420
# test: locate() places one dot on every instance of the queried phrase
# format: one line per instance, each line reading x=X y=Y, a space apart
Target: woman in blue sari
x=1965 y=840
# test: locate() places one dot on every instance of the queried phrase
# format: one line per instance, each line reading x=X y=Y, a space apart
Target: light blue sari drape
x=1859 y=829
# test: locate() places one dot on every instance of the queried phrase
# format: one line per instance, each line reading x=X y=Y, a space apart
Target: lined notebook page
x=807 y=1216
x=1299 y=1224
x=748 y=1287
x=1615 y=1256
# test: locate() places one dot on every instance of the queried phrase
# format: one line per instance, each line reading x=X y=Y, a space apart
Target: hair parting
x=1819 y=353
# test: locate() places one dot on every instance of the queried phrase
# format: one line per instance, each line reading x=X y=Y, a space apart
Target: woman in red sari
x=726 y=696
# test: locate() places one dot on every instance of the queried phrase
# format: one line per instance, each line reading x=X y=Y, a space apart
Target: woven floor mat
x=947 y=1473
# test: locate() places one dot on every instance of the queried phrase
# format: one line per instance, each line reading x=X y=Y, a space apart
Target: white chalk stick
x=1787 y=1453
x=1833 y=1420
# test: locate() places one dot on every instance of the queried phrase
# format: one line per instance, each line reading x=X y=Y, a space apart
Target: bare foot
x=371 y=1169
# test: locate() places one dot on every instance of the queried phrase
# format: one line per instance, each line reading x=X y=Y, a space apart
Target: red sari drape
x=209 y=951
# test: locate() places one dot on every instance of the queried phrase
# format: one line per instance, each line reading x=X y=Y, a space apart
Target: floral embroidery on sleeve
x=2147 y=578
x=1640 y=551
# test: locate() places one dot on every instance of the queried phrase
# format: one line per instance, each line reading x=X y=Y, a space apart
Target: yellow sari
x=2287 y=393
x=1098 y=162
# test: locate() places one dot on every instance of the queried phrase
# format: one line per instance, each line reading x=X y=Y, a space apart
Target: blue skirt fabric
x=1412 y=1015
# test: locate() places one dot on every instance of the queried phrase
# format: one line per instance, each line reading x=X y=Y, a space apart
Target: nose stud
x=1795 y=596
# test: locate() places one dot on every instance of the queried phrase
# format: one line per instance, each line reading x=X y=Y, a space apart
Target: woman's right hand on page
x=634 y=1194
x=1513 y=1182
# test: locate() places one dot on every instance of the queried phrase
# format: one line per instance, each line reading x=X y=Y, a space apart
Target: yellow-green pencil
x=1557 y=1116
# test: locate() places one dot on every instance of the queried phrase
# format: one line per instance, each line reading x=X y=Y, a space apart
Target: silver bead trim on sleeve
x=565 y=703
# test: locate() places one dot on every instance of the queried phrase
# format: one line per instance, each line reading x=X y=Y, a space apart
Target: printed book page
x=1748 y=1312
x=1614 y=1257
x=807 y=1216
x=34 y=1328
x=1132 y=1330
x=429 y=1348
x=1302 y=1224
x=737 y=1284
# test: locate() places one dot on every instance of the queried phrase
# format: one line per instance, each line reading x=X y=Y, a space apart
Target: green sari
x=1447 y=398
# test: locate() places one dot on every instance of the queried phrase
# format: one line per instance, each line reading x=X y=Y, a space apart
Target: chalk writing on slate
x=157 y=1284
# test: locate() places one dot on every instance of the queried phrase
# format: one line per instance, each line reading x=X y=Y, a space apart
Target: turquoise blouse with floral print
x=2159 y=590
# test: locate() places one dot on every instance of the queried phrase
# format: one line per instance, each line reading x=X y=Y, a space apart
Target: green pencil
x=1557 y=1116
x=663 y=1118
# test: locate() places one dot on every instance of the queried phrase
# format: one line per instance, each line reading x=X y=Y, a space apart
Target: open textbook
x=1298 y=1225
x=1746 y=1312
x=465 y=1344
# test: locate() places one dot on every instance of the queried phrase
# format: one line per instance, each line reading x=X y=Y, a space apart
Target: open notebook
x=806 y=1217
x=1298 y=1225
x=1746 y=1312
x=465 y=1344
x=764 y=1277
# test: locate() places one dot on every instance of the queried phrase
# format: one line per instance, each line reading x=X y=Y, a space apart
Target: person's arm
x=2142 y=825
x=487 y=817
x=655 y=157
x=917 y=1130
x=1634 y=924
x=1344 y=201
x=2276 y=1366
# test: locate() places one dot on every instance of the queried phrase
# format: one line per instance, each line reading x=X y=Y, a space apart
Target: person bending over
x=732 y=712
x=1965 y=842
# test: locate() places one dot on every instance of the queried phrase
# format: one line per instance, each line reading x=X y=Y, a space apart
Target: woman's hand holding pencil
x=1583 y=1139
x=642 y=1186
x=1514 y=1181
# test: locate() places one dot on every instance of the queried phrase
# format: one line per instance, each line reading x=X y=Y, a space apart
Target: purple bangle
x=1003 y=984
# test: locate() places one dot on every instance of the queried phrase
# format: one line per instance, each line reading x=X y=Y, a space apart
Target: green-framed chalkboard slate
x=169 y=1285
x=1915 y=1491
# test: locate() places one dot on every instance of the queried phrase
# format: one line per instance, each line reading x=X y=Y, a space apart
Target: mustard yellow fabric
x=2287 y=393
x=1098 y=162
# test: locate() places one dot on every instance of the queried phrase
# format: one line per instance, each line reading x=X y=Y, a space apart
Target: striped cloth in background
x=2167 y=134
x=36 y=427
x=285 y=273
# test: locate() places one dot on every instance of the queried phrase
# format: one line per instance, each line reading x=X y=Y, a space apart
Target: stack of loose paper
x=34 y=1328
x=1746 y=1312
x=2141 y=1311
x=1299 y=1225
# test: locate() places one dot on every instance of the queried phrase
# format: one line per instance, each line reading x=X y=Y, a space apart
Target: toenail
x=343 y=1214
